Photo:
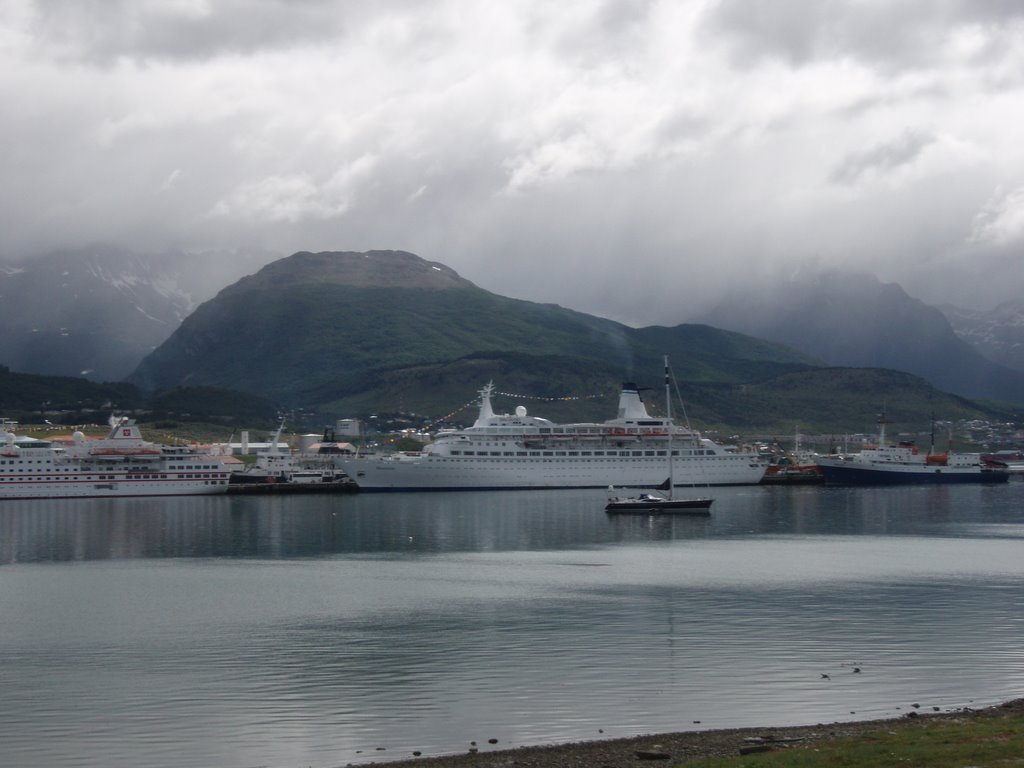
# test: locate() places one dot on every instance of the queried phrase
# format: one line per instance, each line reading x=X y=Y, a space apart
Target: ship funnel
x=630 y=404
x=486 y=412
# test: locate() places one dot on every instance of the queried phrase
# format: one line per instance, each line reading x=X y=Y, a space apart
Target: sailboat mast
x=668 y=416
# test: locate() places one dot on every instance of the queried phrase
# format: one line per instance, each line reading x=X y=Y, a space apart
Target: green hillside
x=325 y=330
x=819 y=400
x=332 y=335
x=31 y=398
x=357 y=334
x=835 y=400
x=22 y=393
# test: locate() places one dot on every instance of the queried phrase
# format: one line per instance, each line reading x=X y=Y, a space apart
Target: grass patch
x=995 y=741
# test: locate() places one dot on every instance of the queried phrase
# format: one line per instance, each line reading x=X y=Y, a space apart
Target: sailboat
x=652 y=504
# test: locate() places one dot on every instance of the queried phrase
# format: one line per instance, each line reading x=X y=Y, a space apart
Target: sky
x=632 y=159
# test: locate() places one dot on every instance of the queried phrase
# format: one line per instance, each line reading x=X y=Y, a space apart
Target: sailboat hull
x=653 y=505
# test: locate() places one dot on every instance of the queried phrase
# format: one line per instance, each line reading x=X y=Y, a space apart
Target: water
x=320 y=631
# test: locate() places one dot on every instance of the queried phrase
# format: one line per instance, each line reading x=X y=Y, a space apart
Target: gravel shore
x=683 y=747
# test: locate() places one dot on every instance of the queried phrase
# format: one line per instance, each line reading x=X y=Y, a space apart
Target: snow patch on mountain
x=998 y=333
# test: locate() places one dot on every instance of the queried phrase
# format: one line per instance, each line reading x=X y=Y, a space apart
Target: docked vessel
x=282 y=466
x=120 y=464
x=796 y=467
x=1012 y=460
x=518 y=451
x=904 y=464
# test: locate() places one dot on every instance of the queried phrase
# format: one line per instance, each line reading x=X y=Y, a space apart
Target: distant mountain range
x=96 y=312
x=998 y=333
x=343 y=334
x=853 y=319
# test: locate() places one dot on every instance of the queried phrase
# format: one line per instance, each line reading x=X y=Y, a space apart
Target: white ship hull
x=440 y=473
x=517 y=451
x=122 y=464
x=109 y=486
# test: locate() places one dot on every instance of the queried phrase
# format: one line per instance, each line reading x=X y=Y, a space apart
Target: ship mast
x=668 y=417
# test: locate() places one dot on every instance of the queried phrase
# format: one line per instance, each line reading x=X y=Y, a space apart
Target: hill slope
x=319 y=329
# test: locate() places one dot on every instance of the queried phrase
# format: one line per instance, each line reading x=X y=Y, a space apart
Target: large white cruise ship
x=512 y=451
x=121 y=464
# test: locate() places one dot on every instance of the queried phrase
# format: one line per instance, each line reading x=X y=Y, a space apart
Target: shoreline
x=685 y=746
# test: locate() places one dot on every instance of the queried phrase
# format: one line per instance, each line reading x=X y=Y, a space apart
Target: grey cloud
x=614 y=31
x=882 y=157
x=885 y=35
x=409 y=133
x=102 y=31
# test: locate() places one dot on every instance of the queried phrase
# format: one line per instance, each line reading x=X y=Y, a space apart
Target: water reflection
x=310 y=631
x=281 y=527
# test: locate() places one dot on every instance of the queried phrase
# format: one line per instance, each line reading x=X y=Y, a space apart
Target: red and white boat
x=120 y=464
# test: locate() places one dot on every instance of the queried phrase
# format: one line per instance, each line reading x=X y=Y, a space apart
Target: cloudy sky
x=627 y=158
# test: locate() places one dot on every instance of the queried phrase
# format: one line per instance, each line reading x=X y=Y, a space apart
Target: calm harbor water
x=321 y=631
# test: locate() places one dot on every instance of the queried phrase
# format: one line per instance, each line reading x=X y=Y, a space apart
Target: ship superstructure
x=120 y=464
x=511 y=451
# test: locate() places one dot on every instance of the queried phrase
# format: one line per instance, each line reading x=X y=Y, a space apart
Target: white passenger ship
x=512 y=451
x=121 y=464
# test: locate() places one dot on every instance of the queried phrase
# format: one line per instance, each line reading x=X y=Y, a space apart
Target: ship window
x=535 y=453
x=548 y=453
x=586 y=453
x=520 y=453
x=574 y=453
x=638 y=453
x=559 y=453
x=648 y=453
x=495 y=453
x=456 y=453
x=470 y=453
x=661 y=453
x=508 y=453
x=599 y=453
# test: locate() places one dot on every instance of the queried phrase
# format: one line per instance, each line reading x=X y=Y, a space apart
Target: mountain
x=344 y=331
x=96 y=312
x=997 y=334
x=853 y=319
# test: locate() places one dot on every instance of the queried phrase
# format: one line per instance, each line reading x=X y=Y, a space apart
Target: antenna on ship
x=882 y=421
x=682 y=403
